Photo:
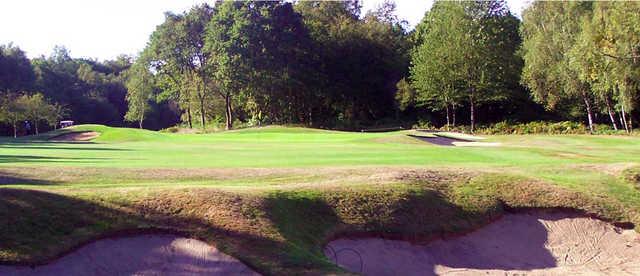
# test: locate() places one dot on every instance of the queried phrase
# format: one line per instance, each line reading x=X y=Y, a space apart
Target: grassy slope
x=272 y=196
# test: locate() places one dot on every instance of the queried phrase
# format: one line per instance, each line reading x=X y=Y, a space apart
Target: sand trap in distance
x=76 y=136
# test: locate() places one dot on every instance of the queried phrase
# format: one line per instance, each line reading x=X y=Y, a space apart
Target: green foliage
x=582 y=52
x=405 y=95
x=466 y=52
x=16 y=73
x=139 y=92
x=34 y=108
x=539 y=127
x=324 y=64
x=176 y=53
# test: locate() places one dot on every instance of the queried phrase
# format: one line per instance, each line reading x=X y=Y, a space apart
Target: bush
x=536 y=127
x=173 y=129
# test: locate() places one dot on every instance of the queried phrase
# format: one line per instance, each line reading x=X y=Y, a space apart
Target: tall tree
x=550 y=30
x=139 y=92
x=360 y=60
x=176 y=52
x=465 y=50
x=36 y=109
x=228 y=42
x=11 y=111
x=16 y=72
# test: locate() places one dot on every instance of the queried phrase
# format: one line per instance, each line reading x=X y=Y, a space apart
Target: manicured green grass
x=279 y=147
x=272 y=196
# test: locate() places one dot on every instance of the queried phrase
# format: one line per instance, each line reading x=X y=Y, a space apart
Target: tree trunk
x=202 y=115
x=140 y=122
x=624 y=120
x=589 y=112
x=611 y=114
x=15 y=130
x=473 y=111
x=35 y=123
x=447 y=110
x=227 y=101
x=453 y=115
x=189 y=116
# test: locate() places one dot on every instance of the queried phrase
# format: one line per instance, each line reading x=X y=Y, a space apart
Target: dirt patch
x=540 y=243
x=76 y=136
x=140 y=255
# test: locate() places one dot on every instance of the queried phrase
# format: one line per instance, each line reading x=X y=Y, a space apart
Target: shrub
x=536 y=127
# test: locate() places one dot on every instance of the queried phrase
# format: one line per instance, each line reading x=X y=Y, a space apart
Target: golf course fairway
x=274 y=197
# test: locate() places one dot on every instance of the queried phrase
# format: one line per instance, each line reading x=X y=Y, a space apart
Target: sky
x=104 y=29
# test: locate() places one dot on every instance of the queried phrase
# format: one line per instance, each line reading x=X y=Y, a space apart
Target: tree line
x=573 y=58
x=325 y=64
x=314 y=63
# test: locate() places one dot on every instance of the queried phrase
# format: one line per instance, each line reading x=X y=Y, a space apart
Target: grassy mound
x=280 y=231
x=107 y=134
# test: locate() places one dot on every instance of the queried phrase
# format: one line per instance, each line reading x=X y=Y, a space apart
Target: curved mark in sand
x=140 y=255
x=536 y=243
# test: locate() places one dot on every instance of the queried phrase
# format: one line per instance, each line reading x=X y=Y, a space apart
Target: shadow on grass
x=8 y=178
x=304 y=220
x=55 y=147
x=307 y=220
x=279 y=233
x=48 y=159
x=43 y=226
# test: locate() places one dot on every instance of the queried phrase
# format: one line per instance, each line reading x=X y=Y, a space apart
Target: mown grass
x=273 y=196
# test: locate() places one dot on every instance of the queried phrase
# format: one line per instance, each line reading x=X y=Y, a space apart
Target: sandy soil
x=534 y=244
x=140 y=255
x=76 y=136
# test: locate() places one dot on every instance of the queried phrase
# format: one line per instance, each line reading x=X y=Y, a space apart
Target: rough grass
x=632 y=175
x=273 y=197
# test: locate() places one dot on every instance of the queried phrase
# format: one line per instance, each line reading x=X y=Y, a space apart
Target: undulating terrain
x=274 y=196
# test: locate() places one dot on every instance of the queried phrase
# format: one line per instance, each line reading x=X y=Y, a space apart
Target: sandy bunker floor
x=535 y=243
x=446 y=141
x=76 y=136
x=140 y=255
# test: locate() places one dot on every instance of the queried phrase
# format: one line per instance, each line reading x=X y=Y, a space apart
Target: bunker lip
x=421 y=239
x=553 y=237
x=75 y=136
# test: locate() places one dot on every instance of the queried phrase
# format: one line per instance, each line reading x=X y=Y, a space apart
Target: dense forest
x=325 y=64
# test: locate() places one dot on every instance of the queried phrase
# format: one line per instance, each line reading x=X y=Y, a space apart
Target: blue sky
x=104 y=29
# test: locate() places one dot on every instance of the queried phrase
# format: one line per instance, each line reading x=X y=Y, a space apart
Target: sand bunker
x=140 y=255
x=476 y=144
x=447 y=141
x=534 y=243
x=76 y=136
